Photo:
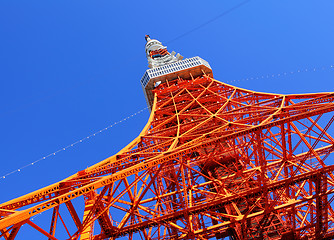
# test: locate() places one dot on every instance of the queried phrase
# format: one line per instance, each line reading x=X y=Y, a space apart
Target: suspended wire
x=39 y=214
x=283 y=74
x=209 y=21
x=73 y=144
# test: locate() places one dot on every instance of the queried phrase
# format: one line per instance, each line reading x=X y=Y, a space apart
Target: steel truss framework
x=213 y=161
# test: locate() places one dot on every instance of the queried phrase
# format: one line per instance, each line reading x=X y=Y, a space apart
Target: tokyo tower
x=214 y=161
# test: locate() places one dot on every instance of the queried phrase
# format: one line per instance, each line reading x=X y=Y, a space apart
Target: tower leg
x=87 y=232
x=54 y=221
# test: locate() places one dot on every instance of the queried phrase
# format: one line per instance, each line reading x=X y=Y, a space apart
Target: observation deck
x=186 y=69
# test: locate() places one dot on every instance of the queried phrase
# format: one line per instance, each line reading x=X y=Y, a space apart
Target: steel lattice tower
x=213 y=161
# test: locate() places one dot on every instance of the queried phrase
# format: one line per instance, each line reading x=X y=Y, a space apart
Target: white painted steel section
x=172 y=68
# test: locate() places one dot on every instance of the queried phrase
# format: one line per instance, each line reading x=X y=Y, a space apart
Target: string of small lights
x=282 y=74
x=73 y=144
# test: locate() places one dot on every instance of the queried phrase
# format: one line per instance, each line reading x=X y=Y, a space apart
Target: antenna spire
x=147 y=37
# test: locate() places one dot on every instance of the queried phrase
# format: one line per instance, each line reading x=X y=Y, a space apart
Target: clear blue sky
x=70 y=68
